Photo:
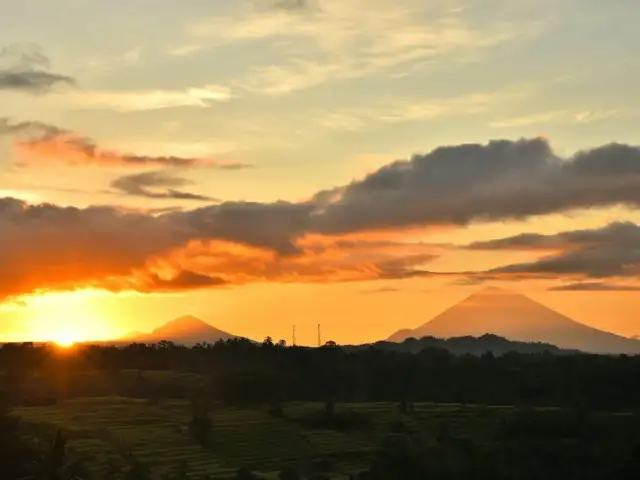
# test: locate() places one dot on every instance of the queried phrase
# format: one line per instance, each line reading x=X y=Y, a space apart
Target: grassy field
x=106 y=430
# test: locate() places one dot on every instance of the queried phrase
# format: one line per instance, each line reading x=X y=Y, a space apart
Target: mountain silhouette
x=185 y=330
x=517 y=317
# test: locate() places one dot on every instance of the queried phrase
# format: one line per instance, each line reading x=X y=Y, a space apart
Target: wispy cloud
x=558 y=116
x=156 y=184
x=25 y=68
x=348 y=39
x=139 y=100
x=41 y=141
x=408 y=110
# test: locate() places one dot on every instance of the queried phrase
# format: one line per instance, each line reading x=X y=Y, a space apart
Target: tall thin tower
x=293 y=337
x=319 y=337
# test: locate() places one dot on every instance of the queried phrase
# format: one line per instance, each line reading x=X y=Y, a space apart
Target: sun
x=64 y=340
x=66 y=319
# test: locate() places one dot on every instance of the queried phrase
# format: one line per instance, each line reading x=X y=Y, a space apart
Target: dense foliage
x=240 y=371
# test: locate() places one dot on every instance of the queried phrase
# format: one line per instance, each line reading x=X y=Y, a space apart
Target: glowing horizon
x=356 y=164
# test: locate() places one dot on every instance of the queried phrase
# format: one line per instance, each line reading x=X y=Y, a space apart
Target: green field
x=106 y=431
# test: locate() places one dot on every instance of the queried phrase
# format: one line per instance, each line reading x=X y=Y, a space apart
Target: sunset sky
x=362 y=164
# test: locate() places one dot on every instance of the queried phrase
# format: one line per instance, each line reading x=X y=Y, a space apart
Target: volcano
x=517 y=317
x=186 y=330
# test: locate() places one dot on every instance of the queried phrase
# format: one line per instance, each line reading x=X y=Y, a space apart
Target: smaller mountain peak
x=187 y=329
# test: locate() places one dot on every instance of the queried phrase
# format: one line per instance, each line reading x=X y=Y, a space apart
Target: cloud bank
x=607 y=252
x=341 y=234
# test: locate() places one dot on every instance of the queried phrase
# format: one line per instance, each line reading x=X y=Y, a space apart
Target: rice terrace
x=107 y=431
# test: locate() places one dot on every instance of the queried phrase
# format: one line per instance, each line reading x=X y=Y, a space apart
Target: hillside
x=471 y=345
x=517 y=317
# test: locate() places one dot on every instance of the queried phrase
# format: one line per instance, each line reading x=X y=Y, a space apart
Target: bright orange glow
x=64 y=341
x=67 y=318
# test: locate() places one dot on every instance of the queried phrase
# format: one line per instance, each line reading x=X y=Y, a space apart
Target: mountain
x=517 y=317
x=187 y=330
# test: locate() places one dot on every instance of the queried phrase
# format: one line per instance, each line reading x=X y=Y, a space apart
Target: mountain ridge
x=518 y=318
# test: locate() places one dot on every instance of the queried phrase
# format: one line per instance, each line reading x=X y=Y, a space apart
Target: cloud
x=143 y=100
x=183 y=280
x=40 y=141
x=51 y=248
x=342 y=40
x=408 y=110
x=25 y=68
x=353 y=232
x=584 y=115
x=502 y=180
x=595 y=287
x=607 y=252
x=139 y=184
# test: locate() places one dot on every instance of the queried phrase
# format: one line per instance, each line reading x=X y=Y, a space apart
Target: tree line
x=240 y=371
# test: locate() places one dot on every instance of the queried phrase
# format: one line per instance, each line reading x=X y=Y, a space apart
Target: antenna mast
x=319 y=337
x=293 y=337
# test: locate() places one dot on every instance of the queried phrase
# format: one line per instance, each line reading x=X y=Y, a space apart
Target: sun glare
x=64 y=341
x=67 y=318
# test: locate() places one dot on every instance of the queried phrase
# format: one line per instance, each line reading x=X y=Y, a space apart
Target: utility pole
x=319 y=337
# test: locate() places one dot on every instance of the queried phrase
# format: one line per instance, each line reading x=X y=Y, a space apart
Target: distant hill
x=470 y=345
x=517 y=317
x=186 y=330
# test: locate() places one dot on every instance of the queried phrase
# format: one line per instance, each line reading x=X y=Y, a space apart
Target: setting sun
x=67 y=318
x=64 y=340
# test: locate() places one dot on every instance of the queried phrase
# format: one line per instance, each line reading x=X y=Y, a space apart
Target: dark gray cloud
x=25 y=68
x=146 y=184
x=595 y=287
x=627 y=233
x=44 y=141
x=473 y=183
x=184 y=280
x=611 y=251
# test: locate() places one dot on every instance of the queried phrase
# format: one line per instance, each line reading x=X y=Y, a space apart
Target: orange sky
x=355 y=166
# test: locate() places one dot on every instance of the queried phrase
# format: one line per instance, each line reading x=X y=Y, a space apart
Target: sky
x=362 y=164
